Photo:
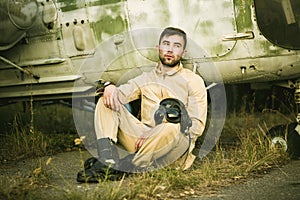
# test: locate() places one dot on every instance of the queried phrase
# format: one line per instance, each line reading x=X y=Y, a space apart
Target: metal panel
x=205 y=21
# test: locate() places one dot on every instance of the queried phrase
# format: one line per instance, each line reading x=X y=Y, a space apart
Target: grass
x=29 y=186
x=29 y=131
x=29 y=143
x=250 y=156
x=243 y=151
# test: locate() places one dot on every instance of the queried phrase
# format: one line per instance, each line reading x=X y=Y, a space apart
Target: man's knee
x=169 y=131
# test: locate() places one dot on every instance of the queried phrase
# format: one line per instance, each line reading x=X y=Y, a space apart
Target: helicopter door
x=205 y=22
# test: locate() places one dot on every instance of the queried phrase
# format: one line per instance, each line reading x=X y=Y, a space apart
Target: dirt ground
x=60 y=173
x=282 y=183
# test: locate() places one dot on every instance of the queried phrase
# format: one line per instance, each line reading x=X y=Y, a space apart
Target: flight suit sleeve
x=131 y=90
x=197 y=106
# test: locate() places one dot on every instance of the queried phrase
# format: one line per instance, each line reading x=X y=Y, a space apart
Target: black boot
x=107 y=152
x=94 y=171
x=125 y=164
x=105 y=166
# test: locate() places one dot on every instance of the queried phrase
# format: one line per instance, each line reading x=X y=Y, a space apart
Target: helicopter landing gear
x=287 y=136
x=297 y=101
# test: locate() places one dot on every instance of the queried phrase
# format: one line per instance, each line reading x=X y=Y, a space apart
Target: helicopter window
x=279 y=21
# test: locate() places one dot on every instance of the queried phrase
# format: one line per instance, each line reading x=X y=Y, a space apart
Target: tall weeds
x=36 y=131
x=23 y=142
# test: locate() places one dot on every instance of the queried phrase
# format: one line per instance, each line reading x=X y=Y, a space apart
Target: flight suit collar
x=169 y=73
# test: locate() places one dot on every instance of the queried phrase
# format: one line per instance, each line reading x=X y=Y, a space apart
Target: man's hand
x=111 y=97
x=140 y=141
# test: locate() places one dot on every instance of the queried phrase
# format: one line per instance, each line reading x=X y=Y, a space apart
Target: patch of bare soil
x=282 y=183
x=51 y=176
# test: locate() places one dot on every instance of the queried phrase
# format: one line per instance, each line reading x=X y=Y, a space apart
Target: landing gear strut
x=288 y=136
x=297 y=101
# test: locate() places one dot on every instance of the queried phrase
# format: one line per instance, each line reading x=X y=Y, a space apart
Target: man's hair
x=173 y=31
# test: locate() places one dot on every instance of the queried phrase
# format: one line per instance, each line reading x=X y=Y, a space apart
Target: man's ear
x=157 y=48
x=184 y=53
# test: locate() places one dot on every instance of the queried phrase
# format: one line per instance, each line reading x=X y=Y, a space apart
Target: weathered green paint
x=227 y=4
x=243 y=15
x=104 y=2
x=218 y=48
x=268 y=48
x=69 y=5
x=166 y=15
x=206 y=27
x=109 y=25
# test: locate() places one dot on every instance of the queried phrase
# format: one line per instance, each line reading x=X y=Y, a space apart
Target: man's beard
x=169 y=64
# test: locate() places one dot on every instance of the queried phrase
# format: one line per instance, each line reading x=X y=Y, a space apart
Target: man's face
x=171 y=50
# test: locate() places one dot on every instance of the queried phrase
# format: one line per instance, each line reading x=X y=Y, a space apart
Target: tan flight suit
x=165 y=141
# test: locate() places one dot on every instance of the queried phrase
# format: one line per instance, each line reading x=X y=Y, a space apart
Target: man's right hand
x=111 y=97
